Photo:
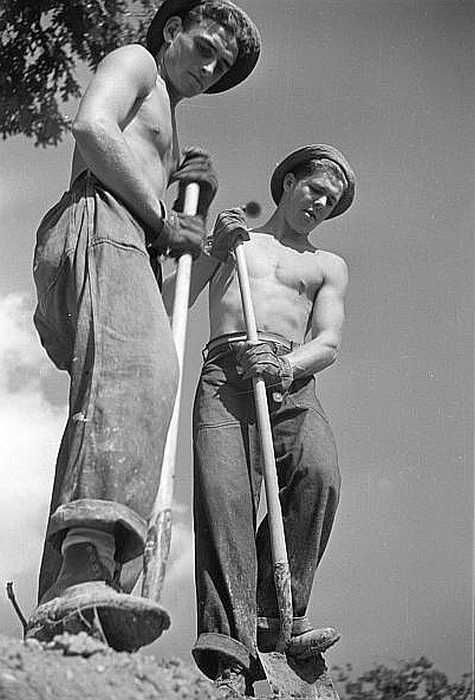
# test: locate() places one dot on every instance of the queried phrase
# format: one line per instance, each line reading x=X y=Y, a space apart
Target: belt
x=223 y=344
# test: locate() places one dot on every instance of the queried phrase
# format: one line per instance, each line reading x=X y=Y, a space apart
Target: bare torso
x=284 y=284
x=149 y=131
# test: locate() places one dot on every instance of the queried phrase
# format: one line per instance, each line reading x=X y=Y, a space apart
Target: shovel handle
x=179 y=323
x=157 y=545
x=274 y=512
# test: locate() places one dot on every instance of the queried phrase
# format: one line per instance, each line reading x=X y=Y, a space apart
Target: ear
x=288 y=181
x=173 y=26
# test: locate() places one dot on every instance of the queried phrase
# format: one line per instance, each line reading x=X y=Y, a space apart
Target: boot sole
x=127 y=622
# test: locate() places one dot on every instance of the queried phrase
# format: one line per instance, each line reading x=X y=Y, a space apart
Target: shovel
x=157 y=545
x=286 y=677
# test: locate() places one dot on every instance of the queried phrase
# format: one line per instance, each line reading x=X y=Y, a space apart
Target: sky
x=390 y=83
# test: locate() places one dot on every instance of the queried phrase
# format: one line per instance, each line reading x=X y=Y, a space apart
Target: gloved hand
x=260 y=360
x=180 y=234
x=229 y=228
x=196 y=166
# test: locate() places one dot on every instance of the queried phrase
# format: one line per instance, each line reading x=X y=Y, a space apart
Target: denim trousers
x=100 y=317
x=233 y=568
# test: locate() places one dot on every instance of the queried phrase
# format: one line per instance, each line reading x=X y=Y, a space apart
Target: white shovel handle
x=157 y=547
x=274 y=511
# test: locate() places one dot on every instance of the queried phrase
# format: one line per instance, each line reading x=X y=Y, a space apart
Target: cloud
x=30 y=430
x=181 y=551
x=31 y=424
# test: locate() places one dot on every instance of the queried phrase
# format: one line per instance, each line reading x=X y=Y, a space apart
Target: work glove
x=260 y=360
x=229 y=228
x=180 y=234
x=196 y=166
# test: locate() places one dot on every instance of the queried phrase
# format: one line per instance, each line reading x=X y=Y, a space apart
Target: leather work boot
x=232 y=681
x=81 y=563
x=303 y=645
x=85 y=599
x=314 y=641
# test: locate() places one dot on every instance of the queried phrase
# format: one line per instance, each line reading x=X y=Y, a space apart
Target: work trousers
x=100 y=317
x=234 y=573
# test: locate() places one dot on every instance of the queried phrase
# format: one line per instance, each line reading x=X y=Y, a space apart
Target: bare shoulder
x=334 y=267
x=131 y=54
x=134 y=63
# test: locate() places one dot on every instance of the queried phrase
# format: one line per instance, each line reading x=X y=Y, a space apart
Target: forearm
x=202 y=270
x=108 y=155
x=313 y=357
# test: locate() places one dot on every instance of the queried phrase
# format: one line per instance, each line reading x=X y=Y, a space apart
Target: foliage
x=410 y=680
x=42 y=41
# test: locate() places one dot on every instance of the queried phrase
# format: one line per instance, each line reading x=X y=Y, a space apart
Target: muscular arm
x=122 y=82
x=202 y=270
x=328 y=316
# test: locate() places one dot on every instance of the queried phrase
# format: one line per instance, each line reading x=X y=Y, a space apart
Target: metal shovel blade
x=303 y=679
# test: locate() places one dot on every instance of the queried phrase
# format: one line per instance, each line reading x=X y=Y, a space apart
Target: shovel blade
x=297 y=680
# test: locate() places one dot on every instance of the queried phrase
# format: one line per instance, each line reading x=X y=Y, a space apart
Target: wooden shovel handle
x=274 y=512
x=157 y=546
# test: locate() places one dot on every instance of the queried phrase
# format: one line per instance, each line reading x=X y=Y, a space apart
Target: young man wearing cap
x=100 y=314
x=298 y=295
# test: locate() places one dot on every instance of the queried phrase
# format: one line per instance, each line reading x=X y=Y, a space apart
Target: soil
x=77 y=667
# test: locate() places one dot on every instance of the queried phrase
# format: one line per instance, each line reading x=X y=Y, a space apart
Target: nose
x=208 y=68
x=321 y=201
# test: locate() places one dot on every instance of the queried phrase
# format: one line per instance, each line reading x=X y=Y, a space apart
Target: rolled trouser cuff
x=210 y=647
x=272 y=624
x=129 y=528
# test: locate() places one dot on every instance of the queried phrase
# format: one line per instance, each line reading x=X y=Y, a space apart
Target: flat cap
x=248 y=49
x=315 y=151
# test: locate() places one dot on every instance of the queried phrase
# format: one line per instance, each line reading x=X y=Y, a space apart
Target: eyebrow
x=331 y=193
x=225 y=54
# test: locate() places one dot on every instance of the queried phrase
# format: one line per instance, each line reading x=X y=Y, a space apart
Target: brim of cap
x=241 y=68
x=311 y=152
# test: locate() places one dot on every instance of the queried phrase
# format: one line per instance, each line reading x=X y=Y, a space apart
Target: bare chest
x=298 y=274
x=153 y=129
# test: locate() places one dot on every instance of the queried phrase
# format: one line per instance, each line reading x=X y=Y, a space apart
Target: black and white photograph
x=236 y=349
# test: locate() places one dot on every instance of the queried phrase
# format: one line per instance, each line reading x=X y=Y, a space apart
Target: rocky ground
x=80 y=668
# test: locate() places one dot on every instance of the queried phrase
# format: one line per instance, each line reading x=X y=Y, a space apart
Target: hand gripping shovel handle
x=157 y=545
x=274 y=513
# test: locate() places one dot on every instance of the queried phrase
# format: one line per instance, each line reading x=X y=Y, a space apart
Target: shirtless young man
x=100 y=314
x=298 y=294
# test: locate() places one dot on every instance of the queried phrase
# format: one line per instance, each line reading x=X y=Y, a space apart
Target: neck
x=174 y=96
x=278 y=226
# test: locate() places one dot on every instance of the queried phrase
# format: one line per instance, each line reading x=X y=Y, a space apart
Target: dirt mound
x=76 y=667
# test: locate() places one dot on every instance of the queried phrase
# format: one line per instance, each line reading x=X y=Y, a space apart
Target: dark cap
x=315 y=151
x=248 y=51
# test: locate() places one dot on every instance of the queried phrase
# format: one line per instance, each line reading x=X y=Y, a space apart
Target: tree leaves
x=410 y=680
x=42 y=41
